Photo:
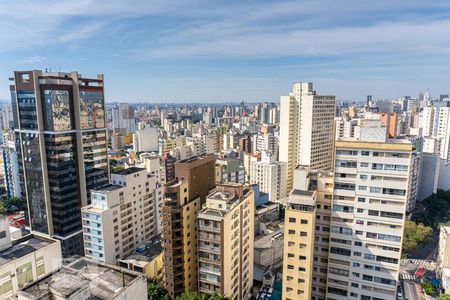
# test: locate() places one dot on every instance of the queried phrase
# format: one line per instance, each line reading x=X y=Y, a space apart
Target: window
x=290 y=255
x=365 y=153
x=374 y=189
x=292 y=220
x=303 y=233
x=364 y=165
x=291 y=231
x=363 y=177
x=362 y=187
x=302 y=221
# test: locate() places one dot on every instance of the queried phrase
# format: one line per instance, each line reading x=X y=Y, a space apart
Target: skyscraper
x=61 y=143
x=306 y=129
x=123 y=119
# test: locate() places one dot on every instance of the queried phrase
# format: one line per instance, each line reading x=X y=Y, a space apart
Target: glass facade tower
x=62 y=149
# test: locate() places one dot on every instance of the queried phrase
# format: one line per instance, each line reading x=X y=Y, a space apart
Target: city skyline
x=196 y=51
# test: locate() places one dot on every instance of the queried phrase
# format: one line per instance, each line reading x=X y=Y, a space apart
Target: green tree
x=2 y=210
x=155 y=291
x=14 y=204
x=414 y=235
x=444 y=297
x=427 y=287
x=188 y=295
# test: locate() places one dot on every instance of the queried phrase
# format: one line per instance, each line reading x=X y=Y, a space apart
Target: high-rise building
x=183 y=198
x=269 y=175
x=146 y=139
x=123 y=119
x=225 y=241
x=121 y=216
x=11 y=165
x=306 y=129
x=62 y=148
x=371 y=190
x=307 y=235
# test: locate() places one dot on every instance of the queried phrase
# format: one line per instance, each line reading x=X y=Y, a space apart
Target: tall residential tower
x=306 y=129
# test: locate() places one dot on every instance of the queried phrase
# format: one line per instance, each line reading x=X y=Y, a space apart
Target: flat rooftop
x=107 y=188
x=102 y=281
x=23 y=247
x=149 y=254
x=129 y=171
x=264 y=241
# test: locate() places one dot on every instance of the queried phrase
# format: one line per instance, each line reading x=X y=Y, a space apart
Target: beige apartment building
x=225 y=241
x=307 y=234
x=306 y=129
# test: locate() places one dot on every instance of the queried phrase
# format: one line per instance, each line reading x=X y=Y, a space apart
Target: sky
x=220 y=51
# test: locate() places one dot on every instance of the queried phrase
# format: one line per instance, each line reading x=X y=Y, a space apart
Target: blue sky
x=206 y=50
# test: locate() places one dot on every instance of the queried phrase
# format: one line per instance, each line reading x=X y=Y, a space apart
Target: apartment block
x=306 y=129
x=371 y=188
x=225 y=242
x=298 y=256
x=269 y=174
x=309 y=210
x=182 y=199
x=121 y=216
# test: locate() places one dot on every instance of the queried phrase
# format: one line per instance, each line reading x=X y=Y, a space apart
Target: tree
x=414 y=235
x=188 y=295
x=14 y=204
x=155 y=291
x=444 y=297
x=427 y=287
x=2 y=210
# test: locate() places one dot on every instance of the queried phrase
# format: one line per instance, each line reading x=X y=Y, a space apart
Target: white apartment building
x=11 y=165
x=266 y=142
x=146 y=139
x=371 y=191
x=345 y=128
x=435 y=123
x=121 y=216
x=306 y=129
x=269 y=174
x=123 y=119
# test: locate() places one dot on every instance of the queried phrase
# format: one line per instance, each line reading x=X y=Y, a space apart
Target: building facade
x=225 y=242
x=61 y=143
x=368 y=214
x=121 y=216
x=306 y=129
x=269 y=174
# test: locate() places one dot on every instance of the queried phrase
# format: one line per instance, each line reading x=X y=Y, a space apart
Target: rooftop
x=265 y=241
x=23 y=247
x=107 y=188
x=144 y=254
x=299 y=197
x=129 y=171
x=100 y=280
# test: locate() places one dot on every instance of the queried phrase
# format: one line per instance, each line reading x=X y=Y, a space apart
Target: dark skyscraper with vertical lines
x=59 y=121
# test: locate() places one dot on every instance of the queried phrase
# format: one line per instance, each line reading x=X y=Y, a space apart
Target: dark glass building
x=62 y=147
